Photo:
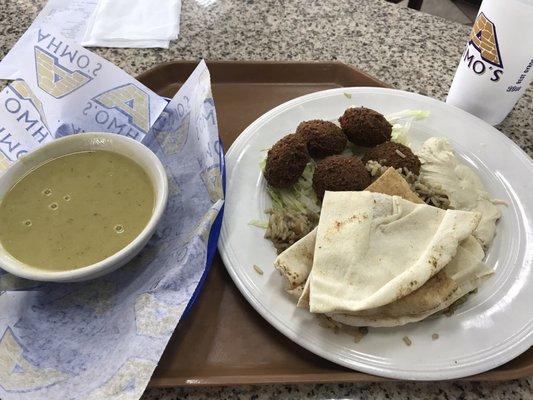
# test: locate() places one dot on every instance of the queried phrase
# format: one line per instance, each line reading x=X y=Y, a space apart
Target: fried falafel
x=286 y=161
x=365 y=127
x=396 y=155
x=340 y=173
x=323 y=138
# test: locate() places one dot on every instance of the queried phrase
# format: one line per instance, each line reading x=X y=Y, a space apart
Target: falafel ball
x=365 y=127
x=286 y=161
x=323 y=138
x=396 y=155
x=340 y=173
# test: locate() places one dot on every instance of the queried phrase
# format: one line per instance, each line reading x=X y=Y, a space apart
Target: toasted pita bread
x=464 y=273
x=393 y=184
x=372 y=249
x=294 y=263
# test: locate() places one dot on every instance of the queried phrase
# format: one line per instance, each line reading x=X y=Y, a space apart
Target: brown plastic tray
x=224 y=341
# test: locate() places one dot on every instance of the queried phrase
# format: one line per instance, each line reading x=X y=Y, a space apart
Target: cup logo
x=483 y=38
x=55 y=79
x=482 y=53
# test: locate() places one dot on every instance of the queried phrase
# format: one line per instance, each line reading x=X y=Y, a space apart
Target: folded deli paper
x=102 y=339
x=113 y=23
x=127 y=20
x=61 y=88
x=123 y=23
x=67 y=17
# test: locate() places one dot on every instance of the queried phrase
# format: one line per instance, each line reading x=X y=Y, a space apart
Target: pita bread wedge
x=392 y=183
x=464 y=273
x=372 y=249
x=294 y=263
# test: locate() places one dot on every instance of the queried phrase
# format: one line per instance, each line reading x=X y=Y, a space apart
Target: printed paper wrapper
x=102 y=339
x=61 y=88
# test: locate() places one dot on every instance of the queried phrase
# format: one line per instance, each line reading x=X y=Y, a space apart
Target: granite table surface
x=407 y=49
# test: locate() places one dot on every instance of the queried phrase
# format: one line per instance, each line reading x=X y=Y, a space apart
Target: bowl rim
x=160 y=183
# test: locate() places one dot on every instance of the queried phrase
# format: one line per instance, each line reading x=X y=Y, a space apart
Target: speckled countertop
x=409 y=50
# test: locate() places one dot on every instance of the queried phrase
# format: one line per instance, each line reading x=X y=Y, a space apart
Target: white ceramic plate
x=492 y=327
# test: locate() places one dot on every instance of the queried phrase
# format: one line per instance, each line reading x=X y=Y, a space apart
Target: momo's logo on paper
x=212 y=179
x=4 y=162
x=55 y=79
x=129 y=100
x=484 y=41
x=18 y=373
x=24 y=92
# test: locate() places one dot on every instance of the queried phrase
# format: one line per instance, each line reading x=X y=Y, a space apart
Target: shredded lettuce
x=401 y=124
x=411 y=114
x=399 y=134
x=258 y=223
x=300 y=197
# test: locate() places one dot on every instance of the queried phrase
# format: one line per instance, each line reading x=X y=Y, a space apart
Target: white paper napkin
x=139 y=23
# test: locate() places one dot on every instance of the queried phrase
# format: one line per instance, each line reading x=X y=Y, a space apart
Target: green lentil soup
x=76 y=210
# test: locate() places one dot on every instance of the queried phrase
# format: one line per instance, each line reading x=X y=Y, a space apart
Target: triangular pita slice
x=392 y=183
x=464 y=273
x=372 y=249
x=295 y=262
